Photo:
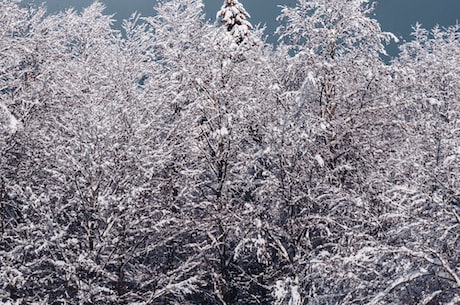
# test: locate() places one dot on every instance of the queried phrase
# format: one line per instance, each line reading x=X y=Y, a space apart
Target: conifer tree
x=233 y=16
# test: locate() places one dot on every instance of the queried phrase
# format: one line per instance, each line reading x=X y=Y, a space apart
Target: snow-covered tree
x=215 y=98
x=233 y=16
x=421 y=166
x=82 y=168
x=332 y=41
x=327 y=149
x=335 y=72
x=182 y=163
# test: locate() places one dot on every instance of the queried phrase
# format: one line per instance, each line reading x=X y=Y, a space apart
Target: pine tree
x=234 y=16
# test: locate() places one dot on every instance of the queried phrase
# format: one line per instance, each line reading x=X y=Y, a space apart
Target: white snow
x=12 y=124
x=295 y=296
x=287 y=289
x=320 y=160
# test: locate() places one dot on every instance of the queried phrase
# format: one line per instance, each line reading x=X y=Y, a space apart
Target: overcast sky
x=396 y=16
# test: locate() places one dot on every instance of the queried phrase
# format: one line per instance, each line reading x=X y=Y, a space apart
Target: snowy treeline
x=182 y=162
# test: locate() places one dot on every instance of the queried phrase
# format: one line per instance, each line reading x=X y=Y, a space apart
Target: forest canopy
x=177 y=161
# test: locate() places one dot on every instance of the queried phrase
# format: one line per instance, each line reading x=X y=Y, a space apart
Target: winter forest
x=180 y=162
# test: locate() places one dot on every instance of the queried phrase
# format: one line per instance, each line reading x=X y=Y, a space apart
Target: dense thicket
x=180 y=162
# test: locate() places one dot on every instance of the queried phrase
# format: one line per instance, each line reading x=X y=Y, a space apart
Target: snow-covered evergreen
x=234 y=17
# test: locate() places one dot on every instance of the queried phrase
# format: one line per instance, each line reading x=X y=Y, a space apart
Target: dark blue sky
x=396 y=16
